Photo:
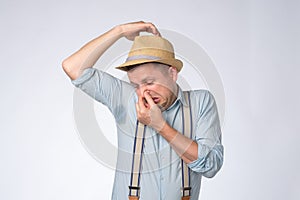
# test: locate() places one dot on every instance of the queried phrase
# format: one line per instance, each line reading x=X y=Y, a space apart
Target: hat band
x=138 y=57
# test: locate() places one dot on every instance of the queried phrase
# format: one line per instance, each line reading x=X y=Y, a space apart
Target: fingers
x=148 y=112
x=149 y=99
x=152 y=29
x=137 y=107
x=133 y=29
x=142 y=103
x=142 y=111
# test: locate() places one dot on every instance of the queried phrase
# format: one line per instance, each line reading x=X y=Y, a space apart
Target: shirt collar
x=180 y=97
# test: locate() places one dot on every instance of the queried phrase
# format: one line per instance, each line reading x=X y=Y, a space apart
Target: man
x=154 y=99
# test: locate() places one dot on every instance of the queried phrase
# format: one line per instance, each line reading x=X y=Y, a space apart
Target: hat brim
x=172 y=62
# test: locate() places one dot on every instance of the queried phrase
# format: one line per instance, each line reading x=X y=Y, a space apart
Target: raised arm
x=88 y=55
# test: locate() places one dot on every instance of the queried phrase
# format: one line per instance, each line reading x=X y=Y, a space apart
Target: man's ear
x=173 y=73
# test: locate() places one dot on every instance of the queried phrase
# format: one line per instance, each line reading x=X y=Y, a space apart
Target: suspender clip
x=134 y=187
x=186 y=188
x=186 y=191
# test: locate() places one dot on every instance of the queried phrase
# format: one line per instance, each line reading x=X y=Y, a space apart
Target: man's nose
x=142 y=89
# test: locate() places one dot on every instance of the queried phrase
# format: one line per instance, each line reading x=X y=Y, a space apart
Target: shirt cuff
x=209 y=161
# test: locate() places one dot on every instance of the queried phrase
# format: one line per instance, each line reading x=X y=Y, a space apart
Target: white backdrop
x=254 y=44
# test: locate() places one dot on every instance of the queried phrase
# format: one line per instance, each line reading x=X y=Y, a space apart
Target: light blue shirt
x=161 y=167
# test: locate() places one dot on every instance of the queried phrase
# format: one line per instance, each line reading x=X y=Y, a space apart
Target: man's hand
x=88 y=55
x=133 y=29
x=149 y=113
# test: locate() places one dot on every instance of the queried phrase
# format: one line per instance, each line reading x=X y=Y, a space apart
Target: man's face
x=158 y=80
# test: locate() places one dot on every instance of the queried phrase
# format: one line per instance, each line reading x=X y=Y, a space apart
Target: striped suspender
x=134 y=187
x=187 y=131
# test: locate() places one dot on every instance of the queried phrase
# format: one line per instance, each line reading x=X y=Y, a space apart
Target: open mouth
x=155 y=99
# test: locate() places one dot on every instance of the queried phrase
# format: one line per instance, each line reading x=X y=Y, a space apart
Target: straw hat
x=150 y=48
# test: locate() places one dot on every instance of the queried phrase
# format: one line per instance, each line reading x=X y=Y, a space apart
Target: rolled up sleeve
x=208 y=137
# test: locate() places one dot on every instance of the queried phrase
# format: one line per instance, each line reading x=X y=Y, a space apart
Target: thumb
x=149 y=99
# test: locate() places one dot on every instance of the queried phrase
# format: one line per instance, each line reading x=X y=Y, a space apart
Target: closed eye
x=150 y=83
